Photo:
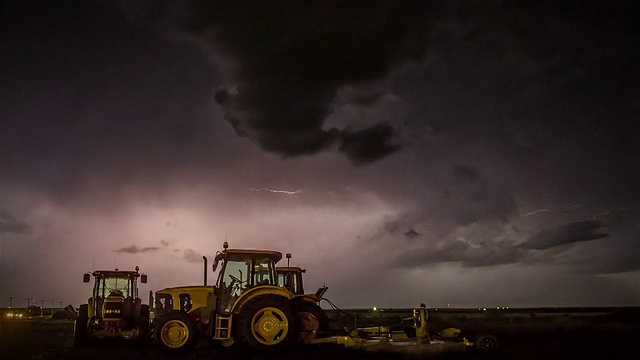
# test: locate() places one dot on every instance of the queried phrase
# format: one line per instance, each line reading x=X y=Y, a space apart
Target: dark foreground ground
x=568 y=335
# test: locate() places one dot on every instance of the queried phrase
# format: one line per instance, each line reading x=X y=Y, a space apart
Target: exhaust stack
x=205 y=270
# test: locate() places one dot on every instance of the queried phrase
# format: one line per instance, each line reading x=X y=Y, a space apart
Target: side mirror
x=143 y=278
x=86 y=277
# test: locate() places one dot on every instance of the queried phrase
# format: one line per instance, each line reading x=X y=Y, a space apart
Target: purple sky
x=477 y=154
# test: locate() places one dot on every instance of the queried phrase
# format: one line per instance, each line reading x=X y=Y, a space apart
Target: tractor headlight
x=9 y=315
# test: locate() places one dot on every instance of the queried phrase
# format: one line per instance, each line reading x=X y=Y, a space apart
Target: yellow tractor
x=313 y=319
x=246 y=307
x=114 y=309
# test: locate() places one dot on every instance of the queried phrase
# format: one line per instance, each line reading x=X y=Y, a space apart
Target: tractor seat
x=116 y=293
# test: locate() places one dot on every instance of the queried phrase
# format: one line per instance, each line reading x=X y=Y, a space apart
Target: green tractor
x=114 y=309
x=313 y=320
x=246 y=307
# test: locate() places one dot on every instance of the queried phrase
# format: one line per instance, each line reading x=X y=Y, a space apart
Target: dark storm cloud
x=411 y=234
x=87 y=97
x=566 y=234
x=164 y=243
x=368 y=100
x=484 y=250
x=463 y=252
x=191 y=256
x=134 y=249
x=470 y=197
x=8 y=224
x=293 y=56
x=466 y=173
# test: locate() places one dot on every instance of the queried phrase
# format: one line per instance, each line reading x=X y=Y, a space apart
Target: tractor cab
x=291 y=279
x=242 y=270
x=115 y=294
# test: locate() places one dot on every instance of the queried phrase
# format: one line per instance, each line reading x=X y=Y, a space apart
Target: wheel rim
x=269 y=326
x=488 y=344
x=174 y=333
x=310 y=326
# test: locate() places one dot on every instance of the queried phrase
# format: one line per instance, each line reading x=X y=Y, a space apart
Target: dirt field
x=522 y=336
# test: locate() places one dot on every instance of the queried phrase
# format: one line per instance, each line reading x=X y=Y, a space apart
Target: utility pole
x=41 y=307
x=28 y=302
x=10 y=300
x=60 y=304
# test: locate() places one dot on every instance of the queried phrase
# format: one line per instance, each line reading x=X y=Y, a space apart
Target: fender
x=90 y=308
x=312 y=298
x=257 y=291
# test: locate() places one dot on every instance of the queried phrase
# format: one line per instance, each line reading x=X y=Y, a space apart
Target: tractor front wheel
x=176 y=332
x=267 y=323
x=143 y=325
x=80 y=336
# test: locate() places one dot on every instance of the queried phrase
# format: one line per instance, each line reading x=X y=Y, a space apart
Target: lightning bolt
x=278 y=191
x=607 y=212
x=561 y=208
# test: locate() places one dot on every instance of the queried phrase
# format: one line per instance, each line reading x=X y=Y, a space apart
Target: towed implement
x=114 y=309
x=415 y=340
x=245 y=307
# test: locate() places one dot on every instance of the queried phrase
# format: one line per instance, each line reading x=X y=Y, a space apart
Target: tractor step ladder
x=223 y=327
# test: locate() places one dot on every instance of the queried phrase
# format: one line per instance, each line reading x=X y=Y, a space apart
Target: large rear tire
x=176 y=332
x=267 y=323
x=80 y=336
x=313 y=321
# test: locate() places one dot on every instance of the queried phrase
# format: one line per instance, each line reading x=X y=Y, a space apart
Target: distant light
x=375 y=308
x=507 y=307
x=484 y=309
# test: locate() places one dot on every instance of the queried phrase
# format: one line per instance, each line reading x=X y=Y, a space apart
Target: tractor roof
x=116 y=273
x=290 y=269
x=274 y=255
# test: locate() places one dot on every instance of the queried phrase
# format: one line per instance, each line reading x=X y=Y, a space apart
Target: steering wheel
x=235 y=286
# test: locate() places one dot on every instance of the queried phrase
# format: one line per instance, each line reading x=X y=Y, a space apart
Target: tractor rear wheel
x=313 y=320
x=267 y=323
x=176 y=332
x=80 y=336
